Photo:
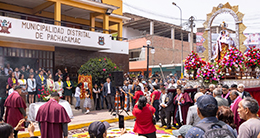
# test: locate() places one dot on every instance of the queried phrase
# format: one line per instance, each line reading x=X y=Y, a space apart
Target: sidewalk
x=81 y=120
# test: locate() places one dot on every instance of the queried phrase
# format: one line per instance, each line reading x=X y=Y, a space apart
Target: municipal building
x=54 y=34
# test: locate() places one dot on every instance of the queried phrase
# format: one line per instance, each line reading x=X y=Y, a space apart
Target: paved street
x=80 y=118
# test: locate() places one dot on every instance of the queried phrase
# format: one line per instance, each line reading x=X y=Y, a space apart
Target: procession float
x=228 y=60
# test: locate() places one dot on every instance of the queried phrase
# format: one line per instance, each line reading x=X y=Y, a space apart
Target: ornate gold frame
x=240 y=27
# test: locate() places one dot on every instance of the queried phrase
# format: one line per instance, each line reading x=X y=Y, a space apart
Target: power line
x=156 y=14
x=251 y=17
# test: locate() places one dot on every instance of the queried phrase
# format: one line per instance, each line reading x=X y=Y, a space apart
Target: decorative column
x=92 y=22
x=106 y=23
x=57 y=13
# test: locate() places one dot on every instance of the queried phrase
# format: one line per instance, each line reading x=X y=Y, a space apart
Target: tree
x=99 y=69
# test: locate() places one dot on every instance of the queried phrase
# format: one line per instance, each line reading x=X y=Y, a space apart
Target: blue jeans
x=77 y=102
x=156 y=106
x=103 y=99
x=128 y=103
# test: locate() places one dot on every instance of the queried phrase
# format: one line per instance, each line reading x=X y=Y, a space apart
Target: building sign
x=23 y=29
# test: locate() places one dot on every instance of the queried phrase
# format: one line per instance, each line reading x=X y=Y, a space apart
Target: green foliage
x=98 y=68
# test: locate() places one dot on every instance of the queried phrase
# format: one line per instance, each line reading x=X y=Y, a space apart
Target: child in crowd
x=87 y=102
x=77 y=94
x=12 y=89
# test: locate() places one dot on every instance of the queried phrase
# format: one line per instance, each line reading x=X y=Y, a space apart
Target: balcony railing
x=52 y=22
x=136 y=59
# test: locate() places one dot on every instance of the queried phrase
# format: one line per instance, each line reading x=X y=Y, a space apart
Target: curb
x=76 y=126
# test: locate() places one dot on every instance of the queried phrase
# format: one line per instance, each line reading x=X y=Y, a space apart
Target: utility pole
x=191 y=25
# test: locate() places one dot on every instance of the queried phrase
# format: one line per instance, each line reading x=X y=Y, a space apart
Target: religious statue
x=224 y=42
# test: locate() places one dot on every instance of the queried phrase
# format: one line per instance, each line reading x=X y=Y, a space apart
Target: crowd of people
x=219 y=106
x=33 y=81
x=214 y=111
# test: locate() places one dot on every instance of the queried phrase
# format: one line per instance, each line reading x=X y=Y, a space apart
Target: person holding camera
x=15 y=107
x=7 y=131
x=144 y=124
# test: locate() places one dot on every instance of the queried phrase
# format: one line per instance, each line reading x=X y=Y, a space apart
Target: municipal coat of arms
x=5 y=25
x=101 y=40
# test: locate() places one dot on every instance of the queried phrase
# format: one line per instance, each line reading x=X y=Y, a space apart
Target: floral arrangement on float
x=192 y=63
x=252 y=58
x=46 y=93
x=233 y=60
x=211 y=73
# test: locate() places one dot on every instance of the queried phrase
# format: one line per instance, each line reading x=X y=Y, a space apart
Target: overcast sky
x=163 y=10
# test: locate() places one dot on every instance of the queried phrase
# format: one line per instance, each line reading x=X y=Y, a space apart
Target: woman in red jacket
x=143 y=112
x=138 y=93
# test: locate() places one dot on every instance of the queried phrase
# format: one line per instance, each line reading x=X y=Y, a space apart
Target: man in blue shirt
x=207 y=108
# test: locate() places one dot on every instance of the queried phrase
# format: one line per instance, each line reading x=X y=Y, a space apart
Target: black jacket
x=168 y=102
x=245 y=94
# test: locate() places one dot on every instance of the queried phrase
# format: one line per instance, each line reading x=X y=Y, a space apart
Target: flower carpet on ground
x=115 y=132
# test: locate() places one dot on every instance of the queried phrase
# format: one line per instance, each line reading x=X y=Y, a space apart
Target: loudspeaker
x=117 y=78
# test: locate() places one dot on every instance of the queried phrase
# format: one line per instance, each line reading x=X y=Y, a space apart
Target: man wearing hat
x=98 y=129
x=15 y=107
x=207 y=107
x=53 y=118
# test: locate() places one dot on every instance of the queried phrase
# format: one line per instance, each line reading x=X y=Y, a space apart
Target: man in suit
x=166 y=107
x=109 y=94
x=40 y=83
x=192 y=116
x=242 y=92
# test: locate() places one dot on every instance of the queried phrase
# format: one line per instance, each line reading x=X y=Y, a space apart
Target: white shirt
x=77 y=92
x=142 y=86
x=108 y=88
x=154 y=83
x=163 y=99
x=10 y=91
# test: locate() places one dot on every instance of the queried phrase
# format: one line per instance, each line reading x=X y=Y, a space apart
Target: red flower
x=105 y=59
x=104 y=69
x=39 y=96
x=42 y=86
x=42 y=93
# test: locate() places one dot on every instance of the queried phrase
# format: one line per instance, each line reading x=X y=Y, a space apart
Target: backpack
x=210 y=132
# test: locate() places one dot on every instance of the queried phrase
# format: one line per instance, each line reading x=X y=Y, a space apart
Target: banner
x=86 y=81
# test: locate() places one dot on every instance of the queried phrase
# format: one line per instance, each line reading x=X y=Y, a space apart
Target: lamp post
x=173 y=3
x=148 y=42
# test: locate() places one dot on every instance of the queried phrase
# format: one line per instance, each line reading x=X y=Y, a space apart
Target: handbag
x=153 y=118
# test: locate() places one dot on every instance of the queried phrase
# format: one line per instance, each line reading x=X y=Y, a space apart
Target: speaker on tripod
x=117 y=78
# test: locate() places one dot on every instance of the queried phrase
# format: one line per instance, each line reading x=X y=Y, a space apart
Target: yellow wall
x=113 y=27
x=117 y=3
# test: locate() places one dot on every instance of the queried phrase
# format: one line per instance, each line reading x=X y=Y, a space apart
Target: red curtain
x=255 y=93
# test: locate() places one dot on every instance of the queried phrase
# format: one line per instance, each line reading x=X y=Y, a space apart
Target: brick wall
x=164 y=52
x=74 y=58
